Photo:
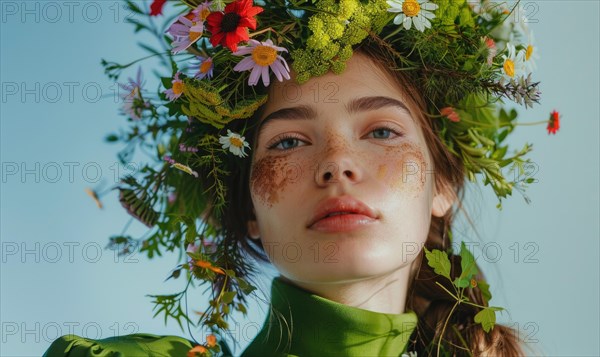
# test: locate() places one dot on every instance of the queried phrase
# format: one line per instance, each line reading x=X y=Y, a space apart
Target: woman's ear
x=442 y=201
x=253 y=230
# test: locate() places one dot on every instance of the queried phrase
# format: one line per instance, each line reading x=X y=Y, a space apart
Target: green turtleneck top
x=304 y=324
x=299 y=323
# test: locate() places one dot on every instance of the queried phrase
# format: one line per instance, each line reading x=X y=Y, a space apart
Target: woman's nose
x=338 y=164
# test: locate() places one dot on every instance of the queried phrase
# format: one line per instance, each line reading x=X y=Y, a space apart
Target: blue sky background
x=56 y=278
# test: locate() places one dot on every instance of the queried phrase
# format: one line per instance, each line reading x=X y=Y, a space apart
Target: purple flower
x=177 y=89
x=132 y=85
x=203 y=10
x=263 y=55
x=133 y=102
x=184 y=148
x=205 y=67
x=185 y=32
x=168 y=159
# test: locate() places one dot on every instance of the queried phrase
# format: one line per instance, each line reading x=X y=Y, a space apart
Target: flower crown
x=467 y=57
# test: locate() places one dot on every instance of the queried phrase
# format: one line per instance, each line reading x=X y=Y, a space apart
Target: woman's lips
x=342 y=223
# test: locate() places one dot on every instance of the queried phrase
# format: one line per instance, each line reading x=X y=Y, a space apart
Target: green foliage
x=485 y=290
x=478 y=139
x=487 y=318
x=333 y=29
x=468 y=267
x=438 y=260
x=170 y=306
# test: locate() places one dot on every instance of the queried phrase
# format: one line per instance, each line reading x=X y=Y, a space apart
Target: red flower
x=553 y=122
x=230 y=28
x=157 y=7
x=450 y=113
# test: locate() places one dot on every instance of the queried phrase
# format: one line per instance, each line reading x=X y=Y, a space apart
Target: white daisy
x=513 y=63
x=531 y=54
x=235 y=143
x=413 y=12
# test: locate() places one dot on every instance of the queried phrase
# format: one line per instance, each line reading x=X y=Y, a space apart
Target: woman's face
x=354 y=137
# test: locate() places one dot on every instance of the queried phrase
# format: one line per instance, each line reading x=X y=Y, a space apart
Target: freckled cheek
x=405 y=169
x=272 y=177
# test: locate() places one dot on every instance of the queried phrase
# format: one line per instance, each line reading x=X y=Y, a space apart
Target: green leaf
x=222 y=324
x=167 y=82
x=240 y=307
x=468 y=266
x=228 y=297
x=175 y=274
x=487 y=317
x=503 y=135
x=134 y=8
x=246 y=288
x=499 y=153
x=439 y=261
x=191 y=233
x=485 y=291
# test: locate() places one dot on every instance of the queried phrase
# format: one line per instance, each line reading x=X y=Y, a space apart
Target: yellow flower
x=347 y=8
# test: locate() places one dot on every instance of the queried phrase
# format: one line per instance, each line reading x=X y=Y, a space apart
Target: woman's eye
x=384 y=132
x=285 y=142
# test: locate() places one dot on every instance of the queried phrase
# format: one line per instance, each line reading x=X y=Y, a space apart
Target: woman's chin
x=340 y=272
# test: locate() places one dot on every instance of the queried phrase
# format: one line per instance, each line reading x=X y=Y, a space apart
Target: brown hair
x=462 y=337
x=430 y=302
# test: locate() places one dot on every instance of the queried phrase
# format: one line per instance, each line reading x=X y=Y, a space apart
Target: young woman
x=345 y=192
x=349 y=187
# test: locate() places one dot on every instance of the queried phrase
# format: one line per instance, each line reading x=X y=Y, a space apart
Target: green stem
x=141 y=59
x=126 y=226
x=446 y=290
x=533 y=123
x=473 y=304
x=444 y=328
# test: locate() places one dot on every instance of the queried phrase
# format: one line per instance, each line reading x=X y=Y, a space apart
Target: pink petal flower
x=267 y=57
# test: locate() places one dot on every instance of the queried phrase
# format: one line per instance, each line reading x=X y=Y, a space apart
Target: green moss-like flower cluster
x=335 y=28
x=451 y=10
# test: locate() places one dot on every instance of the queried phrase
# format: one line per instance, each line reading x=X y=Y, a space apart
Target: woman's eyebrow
x=302 y=112
x=357 y=105
x=364 y=104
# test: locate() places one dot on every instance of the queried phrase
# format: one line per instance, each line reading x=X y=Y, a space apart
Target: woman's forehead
x=362 y=77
